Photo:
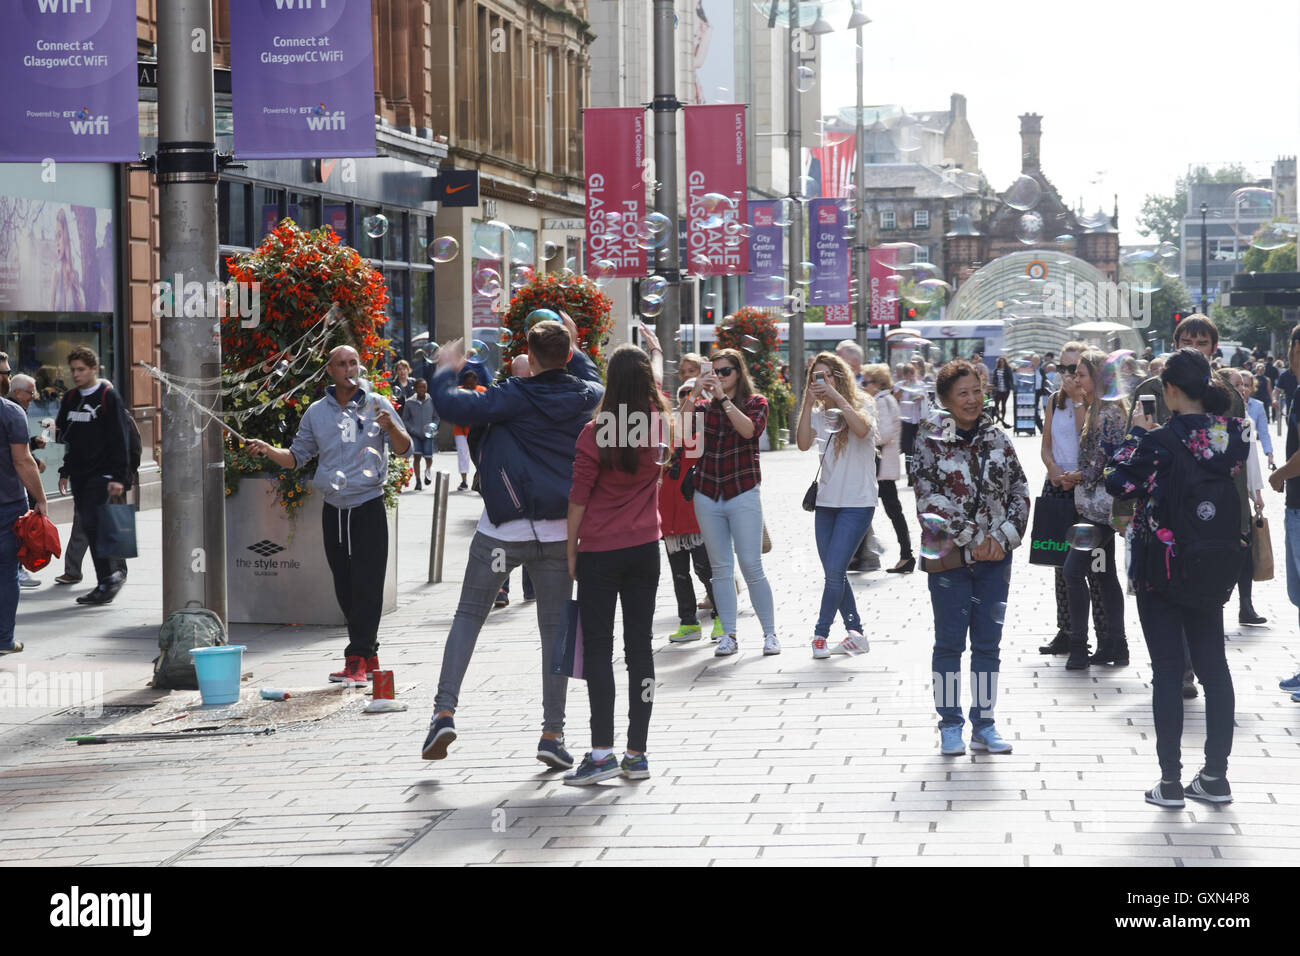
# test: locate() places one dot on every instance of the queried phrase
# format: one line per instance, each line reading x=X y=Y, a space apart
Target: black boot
x=1248 y=615
x=1104 y=654
x=1078 y=654
x=1119 y=652
x=1060 y=644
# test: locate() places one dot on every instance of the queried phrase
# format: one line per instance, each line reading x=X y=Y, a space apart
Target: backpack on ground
x=184 y=629
x=1195 y=558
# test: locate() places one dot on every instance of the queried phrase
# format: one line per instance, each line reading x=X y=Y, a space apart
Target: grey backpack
x=184 y=629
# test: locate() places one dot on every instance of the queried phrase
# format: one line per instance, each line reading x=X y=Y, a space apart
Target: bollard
x=438 y=533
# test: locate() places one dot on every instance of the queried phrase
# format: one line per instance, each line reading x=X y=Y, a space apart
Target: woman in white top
x=844 y=425
x=879 y=384
x=1060 y=453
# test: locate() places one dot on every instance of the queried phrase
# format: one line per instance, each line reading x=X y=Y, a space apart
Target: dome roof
x=1040 y=294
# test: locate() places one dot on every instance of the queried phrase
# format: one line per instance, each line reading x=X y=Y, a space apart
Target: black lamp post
x=1205 y=257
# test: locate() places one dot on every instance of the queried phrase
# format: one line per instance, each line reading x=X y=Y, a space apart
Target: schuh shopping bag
x=1049 y=540
x=116 y=537
x=1262 y=550
x=567 y=656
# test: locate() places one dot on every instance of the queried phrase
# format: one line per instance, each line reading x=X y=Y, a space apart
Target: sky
x=1131 y=93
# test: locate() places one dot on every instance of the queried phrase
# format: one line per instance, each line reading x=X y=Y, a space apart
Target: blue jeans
x=839 y=532
x=1292 y=527
x=968 y=599
x=736 y=523
x=9 y=570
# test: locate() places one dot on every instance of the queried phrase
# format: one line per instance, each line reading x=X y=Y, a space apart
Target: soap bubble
x=503 y=337
x=834 y=419
x=532 y=195
x=550 y=250
x=495 y=239
x=1142 y=270
x=1023 y=194
x=663 y=454
x=805 y=79
x=372 y=429
x=487 y=282
x=520 y=276
x=431 y=430
x=444 y=249
x=338 y=481
x=1029 y=228
x=654 y=285
x=478 y=351
x=521 y=255
x=371 y=461
x=803 y=273
x=601 y=272
x=652 y=231
x=376 y=226
x=541 y=315
x=936 y=540
x=927 y=292
x=1094 y=220
x=651 y=305
x=1083 y=536
x=1119 y=375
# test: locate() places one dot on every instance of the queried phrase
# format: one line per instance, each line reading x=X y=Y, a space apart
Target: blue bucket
x=218 y=670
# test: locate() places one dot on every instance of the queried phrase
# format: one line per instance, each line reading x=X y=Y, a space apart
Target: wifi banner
x=302 y=79
x=69 y=71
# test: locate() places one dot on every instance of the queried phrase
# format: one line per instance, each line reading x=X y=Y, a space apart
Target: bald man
x=350 y=432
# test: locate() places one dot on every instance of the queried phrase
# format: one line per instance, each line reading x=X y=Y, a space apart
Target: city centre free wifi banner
x=70 y=71
x=613 y=159
x=302 y=79
x=715 y=167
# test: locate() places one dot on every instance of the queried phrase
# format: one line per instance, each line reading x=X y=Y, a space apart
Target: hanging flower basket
x=590 y=309
x=754 y=334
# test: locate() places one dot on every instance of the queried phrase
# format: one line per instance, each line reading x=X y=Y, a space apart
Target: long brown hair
x=630 y=390
x=1091 y=361
x=844 y=382
x=745 y=387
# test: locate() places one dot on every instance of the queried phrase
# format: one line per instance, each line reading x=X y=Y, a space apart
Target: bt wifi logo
x=85 y=124
x=320 y=119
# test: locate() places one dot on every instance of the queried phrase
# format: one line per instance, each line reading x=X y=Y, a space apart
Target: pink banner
x=613 y=157
x=884 y=287
x=716 y=189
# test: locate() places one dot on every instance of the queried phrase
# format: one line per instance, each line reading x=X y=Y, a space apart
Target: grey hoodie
x=338 y=438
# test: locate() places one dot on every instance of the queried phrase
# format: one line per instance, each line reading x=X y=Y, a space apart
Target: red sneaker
x=353 y=673
x=372 y=665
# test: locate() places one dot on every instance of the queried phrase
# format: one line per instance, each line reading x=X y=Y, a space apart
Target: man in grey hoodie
x=349 y=431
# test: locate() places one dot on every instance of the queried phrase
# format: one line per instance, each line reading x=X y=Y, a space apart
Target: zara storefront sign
x=276 y=572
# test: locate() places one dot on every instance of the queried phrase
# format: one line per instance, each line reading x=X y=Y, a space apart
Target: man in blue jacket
x=525 y=455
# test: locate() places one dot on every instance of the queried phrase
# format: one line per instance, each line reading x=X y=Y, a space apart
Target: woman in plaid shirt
x=728 y=505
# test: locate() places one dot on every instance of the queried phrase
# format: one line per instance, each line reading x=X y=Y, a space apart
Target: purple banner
x=766 y=252
x=69 y=67
x=302 y=79
x=829 y=249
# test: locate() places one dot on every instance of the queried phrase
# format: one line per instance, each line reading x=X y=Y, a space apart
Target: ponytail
x=1190 y=371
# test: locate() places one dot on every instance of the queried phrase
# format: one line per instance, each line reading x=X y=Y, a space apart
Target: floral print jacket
x=1096 y=447
x=1140 y=464
x=945 y=469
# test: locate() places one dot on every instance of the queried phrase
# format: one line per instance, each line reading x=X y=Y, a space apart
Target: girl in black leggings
x=1144 y=468
x=878 y=383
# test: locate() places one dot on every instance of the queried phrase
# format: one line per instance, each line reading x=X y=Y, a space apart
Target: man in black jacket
x=525 y=464
x=96 y=465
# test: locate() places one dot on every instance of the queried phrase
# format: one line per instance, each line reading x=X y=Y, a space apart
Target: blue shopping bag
x=567 y=657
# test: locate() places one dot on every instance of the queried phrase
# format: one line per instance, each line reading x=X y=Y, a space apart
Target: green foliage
x=1161 y=216
x=590 y=309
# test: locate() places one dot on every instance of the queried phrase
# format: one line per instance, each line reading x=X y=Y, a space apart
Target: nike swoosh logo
x=456 y=189
x=327 y=167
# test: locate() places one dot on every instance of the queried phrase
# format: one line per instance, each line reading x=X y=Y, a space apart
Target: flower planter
x=276 y=572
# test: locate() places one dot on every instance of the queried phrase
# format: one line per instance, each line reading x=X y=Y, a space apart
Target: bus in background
x=936 y=342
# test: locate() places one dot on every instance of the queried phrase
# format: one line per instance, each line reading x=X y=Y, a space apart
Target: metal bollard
x=438 y=534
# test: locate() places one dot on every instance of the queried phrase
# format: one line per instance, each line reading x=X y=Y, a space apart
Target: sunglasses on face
x=1068 y=369
x=723 y=371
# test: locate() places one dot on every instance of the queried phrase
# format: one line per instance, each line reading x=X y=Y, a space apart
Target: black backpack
x=1202 y=509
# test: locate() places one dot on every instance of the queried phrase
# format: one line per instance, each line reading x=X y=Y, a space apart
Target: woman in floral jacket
x=973 y=503
x=1103 y=433
x=1141 y=469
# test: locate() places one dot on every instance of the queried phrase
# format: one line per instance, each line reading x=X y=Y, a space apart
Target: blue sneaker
x=592 y=771
x=1291 y=684
x=988 y=740
x=553 y=754
x=950 y=742
x=442 y=731
x=1295 y=697
x=634 y=768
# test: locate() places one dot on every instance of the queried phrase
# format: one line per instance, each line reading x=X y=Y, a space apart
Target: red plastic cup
x=381 y=683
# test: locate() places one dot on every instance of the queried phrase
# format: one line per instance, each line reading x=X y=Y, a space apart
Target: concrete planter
x=276 y=571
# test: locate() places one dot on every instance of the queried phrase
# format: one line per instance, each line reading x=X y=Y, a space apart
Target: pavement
x=754 y=760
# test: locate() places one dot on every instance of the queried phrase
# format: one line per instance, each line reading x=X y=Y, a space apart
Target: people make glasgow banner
x=302 y=79
x=716 y=190
x=618 y=232
x=69 y=74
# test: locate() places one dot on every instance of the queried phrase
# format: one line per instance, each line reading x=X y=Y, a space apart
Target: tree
x=1161 y=216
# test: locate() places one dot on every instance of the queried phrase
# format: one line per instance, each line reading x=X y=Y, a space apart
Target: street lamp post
x=860 y=267
x=1205 y=257
x=665 y=118
x=794 y=145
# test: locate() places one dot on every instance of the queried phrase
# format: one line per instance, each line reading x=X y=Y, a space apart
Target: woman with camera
x=842 y=419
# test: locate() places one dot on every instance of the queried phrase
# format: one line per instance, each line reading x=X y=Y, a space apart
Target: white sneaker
x=820 y=650
x=26 y=579
x=771 y=645
x=726 y=647
x=855 y=643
